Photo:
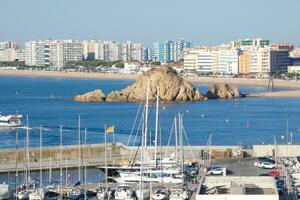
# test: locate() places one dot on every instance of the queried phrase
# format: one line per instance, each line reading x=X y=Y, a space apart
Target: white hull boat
x=4 y=191
x=143 y=193
x=160 y=193
x=125 y=192
x=10 y=121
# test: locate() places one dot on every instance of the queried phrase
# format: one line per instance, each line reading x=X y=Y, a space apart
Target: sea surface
x=47 y=103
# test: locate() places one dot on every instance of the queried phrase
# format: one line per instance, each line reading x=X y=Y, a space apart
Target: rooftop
x=236 y=185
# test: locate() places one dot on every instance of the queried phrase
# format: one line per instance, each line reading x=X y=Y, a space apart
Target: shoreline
x=291 y=84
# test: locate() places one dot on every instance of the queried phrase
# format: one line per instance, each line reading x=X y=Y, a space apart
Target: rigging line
x=137 y=114
x=132 y=129
x=146 y=124
x=138 y=130
x=170 y=136
x=187 y=140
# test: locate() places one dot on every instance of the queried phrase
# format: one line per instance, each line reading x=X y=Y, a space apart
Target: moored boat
x=10 y=120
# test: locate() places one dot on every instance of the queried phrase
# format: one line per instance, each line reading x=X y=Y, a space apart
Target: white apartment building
x=54 y=53
x=132 y=51
x=200 y=60
x=228 y=61
x=260 y=60
x=7 y=55
x=37 y=53
x=8 y=45
x=88 y=49
x=190 y=59
x=108 y=51
x=205 y=61
x=114 y=51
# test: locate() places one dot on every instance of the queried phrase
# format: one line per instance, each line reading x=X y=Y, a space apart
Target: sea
x=48 y=105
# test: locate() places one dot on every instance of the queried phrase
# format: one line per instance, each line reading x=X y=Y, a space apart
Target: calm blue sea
x=232 y=122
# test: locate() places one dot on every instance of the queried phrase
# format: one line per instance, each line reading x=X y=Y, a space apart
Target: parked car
x=267 y=165
x=260 y=160
x=215 y=171
x=274 y=173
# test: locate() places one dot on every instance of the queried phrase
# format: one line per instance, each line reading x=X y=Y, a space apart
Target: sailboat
x=152 y=173
x=38 y=193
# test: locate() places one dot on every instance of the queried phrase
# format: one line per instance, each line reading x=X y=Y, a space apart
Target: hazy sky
x=205 y=22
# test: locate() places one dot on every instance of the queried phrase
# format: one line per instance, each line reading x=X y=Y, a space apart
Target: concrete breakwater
x=93 y=155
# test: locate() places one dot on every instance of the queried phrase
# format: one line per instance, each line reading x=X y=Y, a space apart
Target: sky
x=204 y=22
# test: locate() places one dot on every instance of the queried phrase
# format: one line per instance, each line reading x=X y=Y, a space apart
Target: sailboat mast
x=105 y=159
x=181 y=142
x=17 y=155
x=50 y=169
x=41 y=156
x=85 y=131
x=66 y=170
x=61 y=161
x=79 y=149
x=176 y=138
x=146 y=114
x=27 y=153
x=156 y=126
x=142 y=163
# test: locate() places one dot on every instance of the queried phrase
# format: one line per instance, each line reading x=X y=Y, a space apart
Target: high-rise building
x=246 y=43
x=228 y=61
x=280 y=58
x=190 y=60
x=170 y=51
x=114 y=51
x=205 y=61
x=88 y=49
x=260 y=60
x=54 y=53
x=8 y=45
x=148 y=54
x=7 y=55
x=244 y=62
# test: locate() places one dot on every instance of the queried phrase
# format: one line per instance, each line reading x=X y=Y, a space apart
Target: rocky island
x=172 y=87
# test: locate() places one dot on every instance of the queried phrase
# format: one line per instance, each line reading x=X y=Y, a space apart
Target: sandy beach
x=291 y=84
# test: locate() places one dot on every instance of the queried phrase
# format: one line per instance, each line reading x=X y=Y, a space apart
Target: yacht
x=10 y=120
x=125 y=192
x=150 y=177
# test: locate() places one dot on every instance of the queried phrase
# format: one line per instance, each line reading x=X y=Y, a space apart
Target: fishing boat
x=5 y=192
x=10 y=120
x=125 y=192
x=160 y=193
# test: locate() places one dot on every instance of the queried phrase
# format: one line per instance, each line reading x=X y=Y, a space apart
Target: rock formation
x=172 y=88
x=93 y=96
x=223 y=91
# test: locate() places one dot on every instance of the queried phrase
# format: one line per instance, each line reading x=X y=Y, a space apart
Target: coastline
x=291 y=84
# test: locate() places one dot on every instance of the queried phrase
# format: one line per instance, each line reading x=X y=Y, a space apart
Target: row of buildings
x=241 y=57
x=167 y=51
x=58 y=52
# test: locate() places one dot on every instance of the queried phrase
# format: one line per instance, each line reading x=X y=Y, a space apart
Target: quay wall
x=278 y=150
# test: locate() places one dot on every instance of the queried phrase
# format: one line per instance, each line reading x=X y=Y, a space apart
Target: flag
x=110 y=130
